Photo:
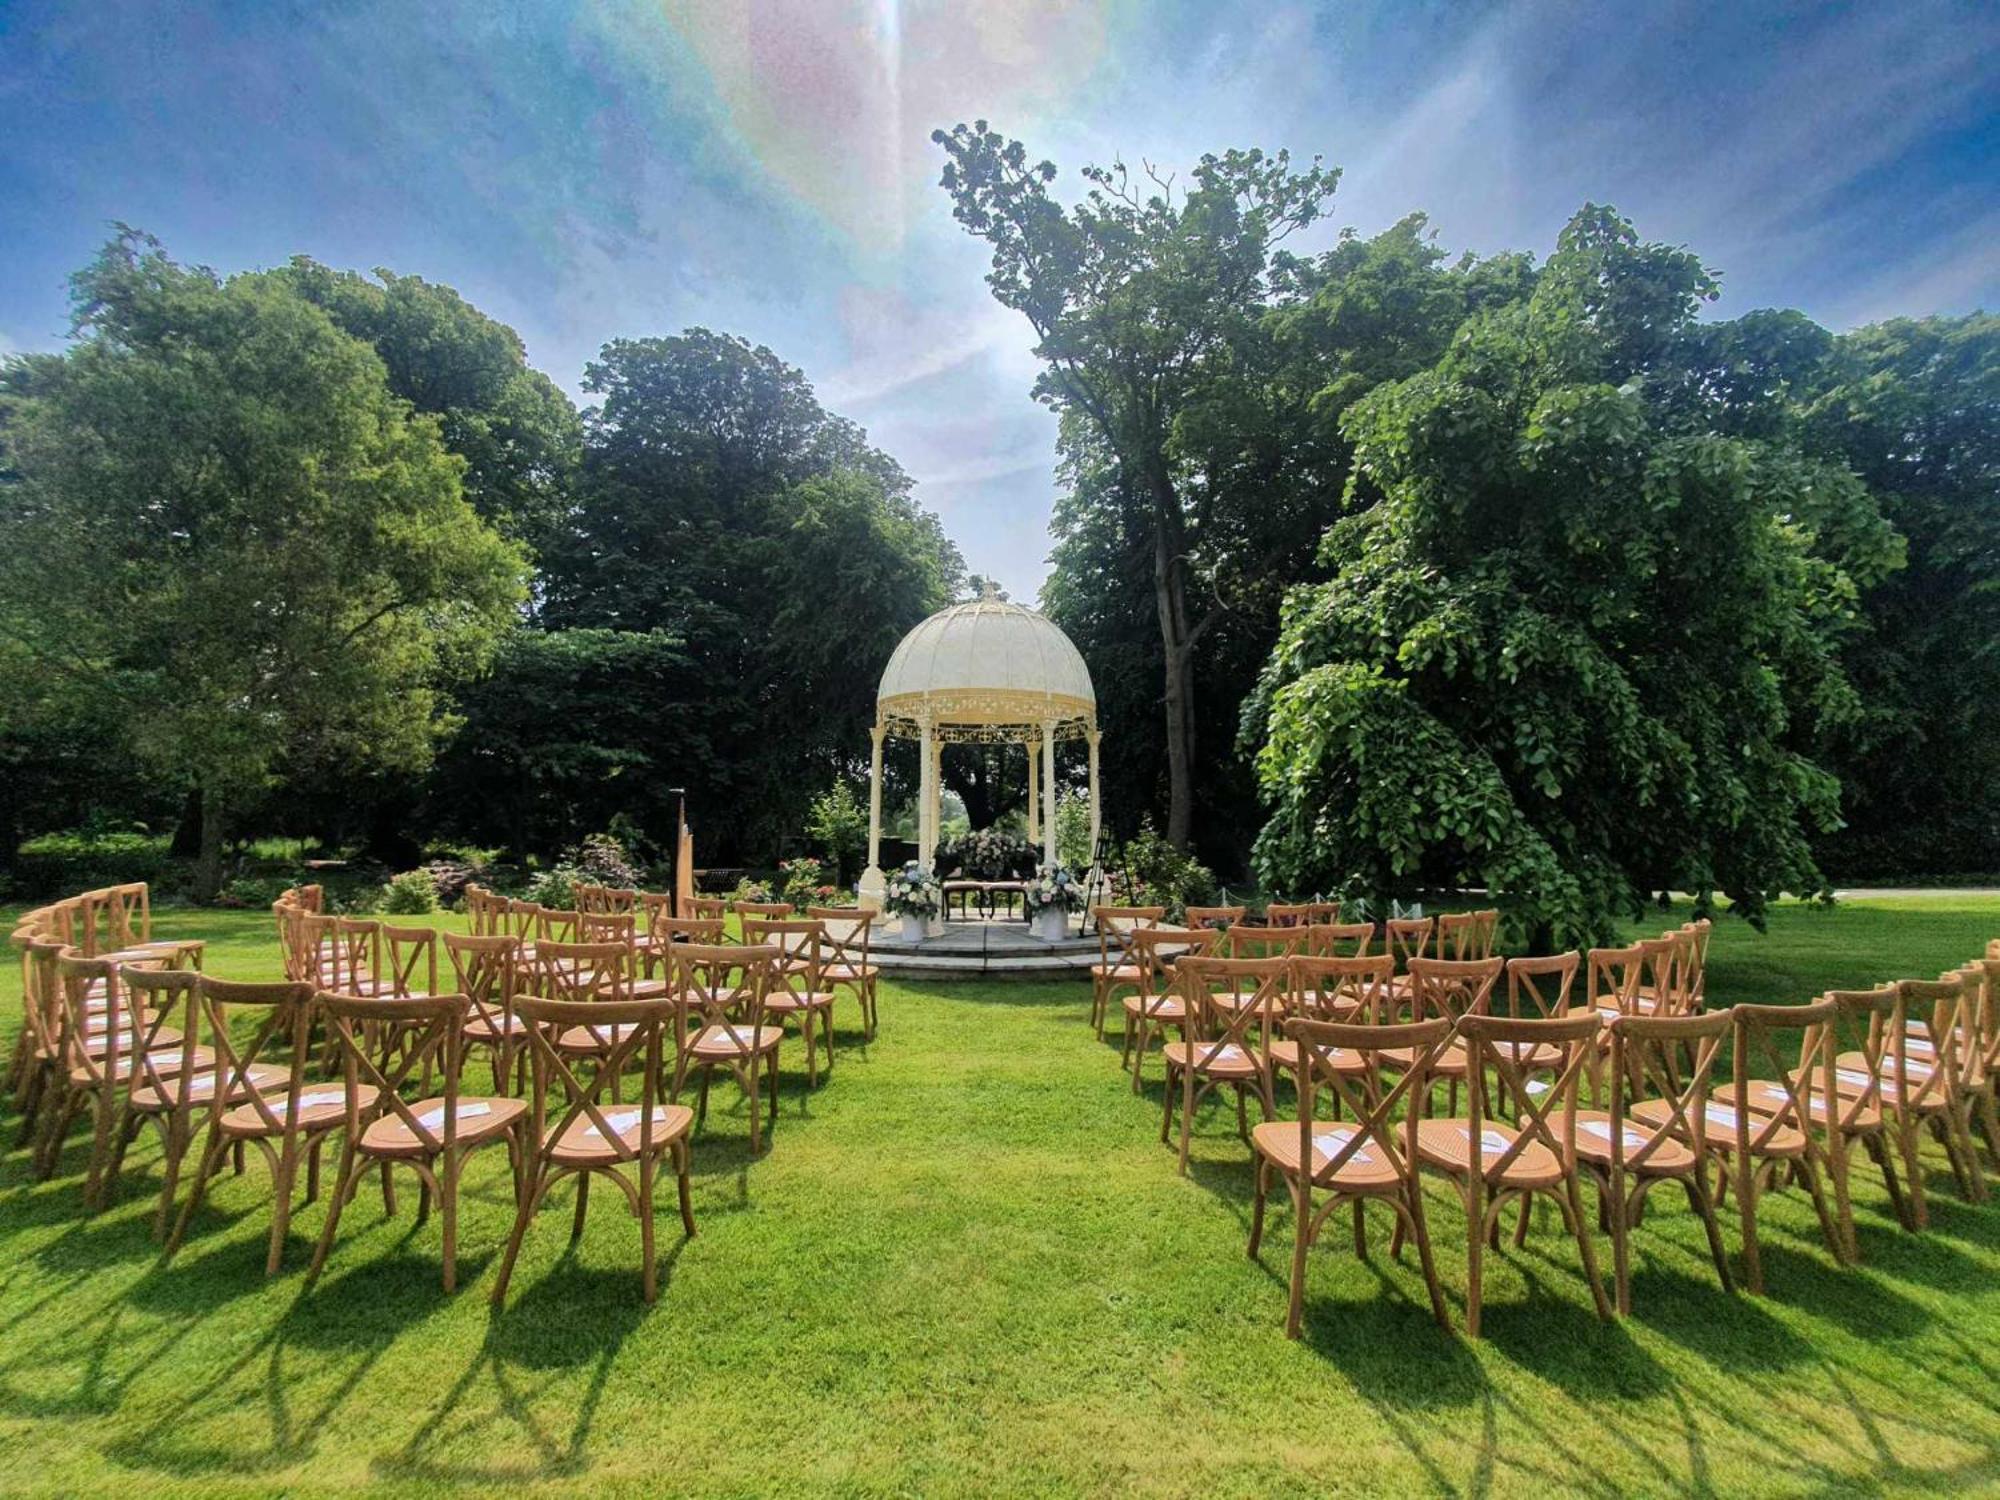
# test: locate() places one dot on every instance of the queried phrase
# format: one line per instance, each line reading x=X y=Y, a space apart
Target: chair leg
x=1913 y=1171
x=1746 y=1209
x=1257 y=1207
x=1167 y=1106
x=454 y=1160
x=1187 y=1112
x=1420 y=1232
x=281 y=1210
x=682 y=1157
x=1613 y=1201
x=1475 y=1259
x=1885 y=1162
x=1573 y=1201
x=530 y=1196
x=176 y=1149
x=345 y=1179
x=647 y=1165
x=211 y=1158
x=1840 y=1164
x=1704 y=1205
x=1835 y=1243
x=1301 y=1242
x=582 y=1206
x=1989 y=1123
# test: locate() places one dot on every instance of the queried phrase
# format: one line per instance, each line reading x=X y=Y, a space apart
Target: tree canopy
x=1565 y=652
x=221 y=526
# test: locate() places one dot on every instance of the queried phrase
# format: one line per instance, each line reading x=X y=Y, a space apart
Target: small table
x=985 y=896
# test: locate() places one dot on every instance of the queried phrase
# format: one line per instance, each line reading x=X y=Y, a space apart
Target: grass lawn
x=967 y=1265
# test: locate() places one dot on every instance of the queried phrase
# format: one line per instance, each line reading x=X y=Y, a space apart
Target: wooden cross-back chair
x=1847 y=1111
x=573 y=1134
x=126 y=929
x=357 y=956
x=40 y=1072
x=1301 y=913
x=1246 y=941
x=287 y=1123
x=521 y=919
x=1339 y=939
x=1231 y=1006
x=608 y=927
x=1467 y=934
x=104 y=1051
x=707 y=908
x=1981 y=1080
x=1755 y=1146
x=1448 y=989
x=586 y=975
x=487 y=970
x=1409 y=937
x=1372 y=1160
x=844 y=939
x=1491 y=1162
x=1327 y=987
x=557 y=924
x=797 y=988
x=432 y=1135
x=1669 y=1061
x=1155 y=1007
x=724 y=987
x=171 y=1083
x=485 y=913
x=764 y=911
x=1919 y=1085
x=1115 y=971
x=654 y=907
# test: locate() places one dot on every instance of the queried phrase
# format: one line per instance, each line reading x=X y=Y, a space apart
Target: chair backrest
x=1661 y=968
x=1115 y=926
x=1153 y=951
x=320 y=950
x=844 y=934
x=588 y=898
x=1301 y=913
x=724 y=986
x=1214 y=916
x=1668 y=1059
x=1540 y=986
x=1876 y=1015
x=772 y=911
x=1931 y=1010
x=82 y=978
x=1341 y=939
x=522 y=919
x=1699 y=931
x=708 y=908
x=1452 y=988
x=486 y=970
x=634 y=1029
x=127 y=916
x=1245 y=941
x=670 y=930
x=283 y=1030
x=357 y=953
x=1759 y=1059
x=1612 y=976
x=607 y=926
x=485 y=913
x=654 y=906
x=1321 y=982
x=799 y=949
x=1984 y=1026
x=1503 y=1046
x=1359 y=1095
x=1216 y=1031
x=1409 y=938
x=433 y=1029
x=410 y=960
x=557 y=924
x=1467 y=934
x=159 y=1000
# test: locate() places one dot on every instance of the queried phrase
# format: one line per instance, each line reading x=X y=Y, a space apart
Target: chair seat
x=1156 y=1007
x=1277 y=1141
x=1768 y=1098
x=736 y=1041
x=1451 y=1062
x=650 y=989
x=166 y=1062
x=1338 y=1006
x=489 y=1029
x=479 y=1119
x=1117 y=973
x=1237 y=1004
x=1720 y=1129
x=99 y=1044
x=1850 y=1076
x=788 y=1003
x=583 y=1144
x=1671 y=1158
x=138 y=954
x=601 y=1037
x=1530 y=1055
x=1226 y=1061
x=321 y=1107
x=845 y=973
x=198 y=1087
x=1284 y=1053
x=1447 y=1145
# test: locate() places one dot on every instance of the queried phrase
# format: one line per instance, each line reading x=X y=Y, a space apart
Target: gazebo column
x=1049 y=777
x=873 y=887
x=937 y=797
x=1034 y=793
x=1092 y=736
x=926 y=798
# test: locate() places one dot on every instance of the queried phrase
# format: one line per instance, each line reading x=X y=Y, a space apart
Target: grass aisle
x=968 y=1266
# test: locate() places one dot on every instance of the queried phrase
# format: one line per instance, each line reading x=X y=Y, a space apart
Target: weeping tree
x=1566 y=650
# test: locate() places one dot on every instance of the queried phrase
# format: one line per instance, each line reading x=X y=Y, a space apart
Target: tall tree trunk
x=1170 y=593
x=208 y=863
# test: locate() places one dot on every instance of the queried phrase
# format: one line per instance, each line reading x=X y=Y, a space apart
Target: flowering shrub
x=800 y=879
x=752 y=890
x=602 y=860
x=917 y=895
x=1054 y=890
x=410 y=894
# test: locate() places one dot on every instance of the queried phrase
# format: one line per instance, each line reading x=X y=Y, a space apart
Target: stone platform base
x=977 y=949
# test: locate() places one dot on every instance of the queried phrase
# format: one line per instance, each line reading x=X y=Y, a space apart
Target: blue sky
x=763 y=166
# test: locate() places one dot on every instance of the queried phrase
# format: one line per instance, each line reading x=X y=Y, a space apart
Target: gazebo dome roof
x=987 y=666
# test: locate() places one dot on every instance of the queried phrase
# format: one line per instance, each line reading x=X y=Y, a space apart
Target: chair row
x=1797 y=1105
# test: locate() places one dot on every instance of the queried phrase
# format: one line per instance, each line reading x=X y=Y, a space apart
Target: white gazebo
x=988 y=671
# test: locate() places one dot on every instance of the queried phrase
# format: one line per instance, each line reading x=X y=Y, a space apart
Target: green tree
x=1137 y=296
x=722 y=505
x=1566 y=651
x=218 y=519
x=519 y=435
x=837 y=822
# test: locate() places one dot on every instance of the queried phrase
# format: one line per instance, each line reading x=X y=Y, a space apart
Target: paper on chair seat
x=1720 y=1114
x=1228 y=1053
x=622 y=1120
x=1330 y=1143
x=313 y=1098
x=1603 y=1132
x=1491 y=1140
x=432 y=1119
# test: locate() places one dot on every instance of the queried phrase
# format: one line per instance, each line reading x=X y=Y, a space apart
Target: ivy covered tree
x=221 y=531
x=1564 y=650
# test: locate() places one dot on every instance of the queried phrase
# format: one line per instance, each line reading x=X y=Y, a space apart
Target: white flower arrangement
x=1053 y=889
x=913 y=894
